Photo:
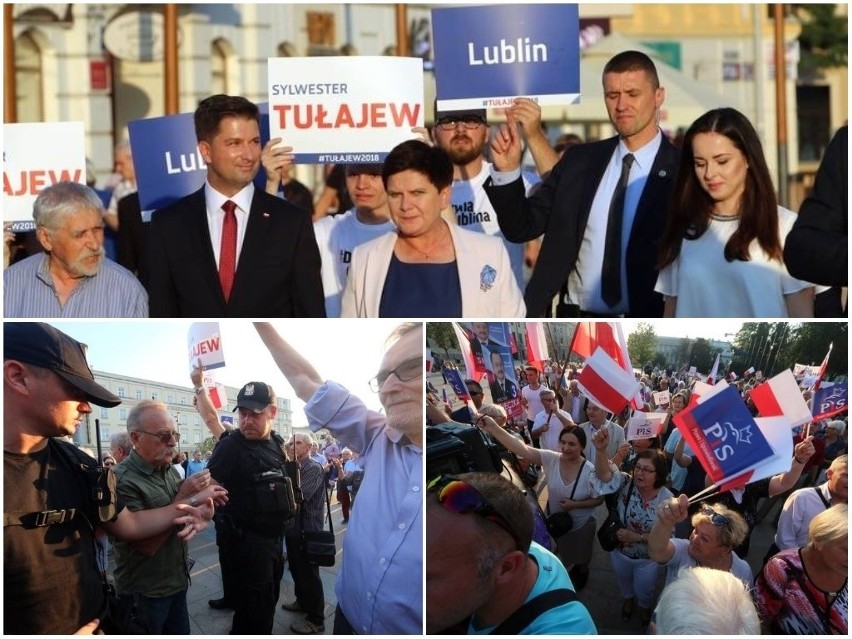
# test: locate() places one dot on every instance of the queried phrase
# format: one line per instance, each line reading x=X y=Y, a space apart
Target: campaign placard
x=37 y=155
x=205 y=344
x=644 y=425
x=662 y=398
x=486 y=56
x=348 y=109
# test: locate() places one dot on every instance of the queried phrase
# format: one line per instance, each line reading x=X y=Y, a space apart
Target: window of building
x=122 y=413
x=105 y=434
x=170 y=398
x=155 y=395
x=104 y=412
x=183 y=400
x=138 y=393
x=122 y=392
x=219 y=66
x=28 y=79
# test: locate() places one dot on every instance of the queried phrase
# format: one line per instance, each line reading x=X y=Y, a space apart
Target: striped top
x=28 y=291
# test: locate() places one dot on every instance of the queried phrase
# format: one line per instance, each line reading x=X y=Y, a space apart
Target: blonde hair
x=830 y=525
x=731 y=534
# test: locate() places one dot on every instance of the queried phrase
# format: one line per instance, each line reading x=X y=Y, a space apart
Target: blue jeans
x=161 y=615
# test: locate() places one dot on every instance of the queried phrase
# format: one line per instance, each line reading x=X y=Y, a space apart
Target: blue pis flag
x=829 y=400
x=724 y=435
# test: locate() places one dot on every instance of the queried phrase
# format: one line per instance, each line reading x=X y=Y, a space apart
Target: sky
x=720 y=329
x=346 y=351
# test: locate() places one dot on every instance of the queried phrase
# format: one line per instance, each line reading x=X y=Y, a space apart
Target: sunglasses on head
x=458 y=496
x=715 y=518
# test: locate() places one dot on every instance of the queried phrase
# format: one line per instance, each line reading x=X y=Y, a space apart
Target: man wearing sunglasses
x=717 y=530
x=379 y=584
x=51 y=584
x=152 y=575
x=484 y=574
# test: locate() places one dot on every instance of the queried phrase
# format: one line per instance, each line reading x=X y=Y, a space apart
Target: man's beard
x=461 y=156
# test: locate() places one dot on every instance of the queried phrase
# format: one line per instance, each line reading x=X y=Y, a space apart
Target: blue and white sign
x=168 y=163
x=487 y=56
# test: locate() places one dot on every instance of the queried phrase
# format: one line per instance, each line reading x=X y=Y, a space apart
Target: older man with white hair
x=306 y=578
x=72 y=278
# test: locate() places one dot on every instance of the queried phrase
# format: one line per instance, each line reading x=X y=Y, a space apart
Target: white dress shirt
x=216 y=216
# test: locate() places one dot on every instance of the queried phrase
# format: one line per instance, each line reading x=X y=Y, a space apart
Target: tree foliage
x=702 y=355
x=642 y=344
x=824 y=38
x=442 y=336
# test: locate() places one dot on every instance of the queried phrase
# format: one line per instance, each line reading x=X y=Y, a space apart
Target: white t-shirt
x=706 y=285
x=475 y=212
x=337 y=236
x=550 y=438
x=558 y=489
x=534 y=406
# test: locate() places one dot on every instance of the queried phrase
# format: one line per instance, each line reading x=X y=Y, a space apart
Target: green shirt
x=143 y=487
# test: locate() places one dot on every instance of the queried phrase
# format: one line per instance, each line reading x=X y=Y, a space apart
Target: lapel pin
x=265 y=214
x=662 y=173
x=487 y=278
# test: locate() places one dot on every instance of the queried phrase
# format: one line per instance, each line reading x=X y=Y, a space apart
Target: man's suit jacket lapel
x=662 y=172
x=598 y=162
x=197 y=242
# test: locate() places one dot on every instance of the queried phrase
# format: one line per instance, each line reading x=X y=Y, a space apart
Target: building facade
x=178 y=399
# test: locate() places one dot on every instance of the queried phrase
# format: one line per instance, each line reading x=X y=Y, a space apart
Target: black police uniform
x=250 y=528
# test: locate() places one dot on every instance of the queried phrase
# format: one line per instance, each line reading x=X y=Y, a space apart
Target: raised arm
x=600 y=440
x=785 y=481
x=511 y=443
x=301 y=375
x=203 y=404
x=680 y=459
x=671 y=511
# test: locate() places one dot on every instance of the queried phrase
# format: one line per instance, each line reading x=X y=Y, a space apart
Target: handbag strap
x=577 y=480
x=533 y=609
x=626 y=505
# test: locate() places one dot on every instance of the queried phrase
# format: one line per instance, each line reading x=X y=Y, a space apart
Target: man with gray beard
x=72 y=278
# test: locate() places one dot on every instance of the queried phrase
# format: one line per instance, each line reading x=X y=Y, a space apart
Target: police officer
x=50 y=578
x=250 y=463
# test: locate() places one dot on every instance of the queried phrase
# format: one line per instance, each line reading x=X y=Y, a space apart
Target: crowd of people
x=680 y=566
x=450 y=225
x=264 y=494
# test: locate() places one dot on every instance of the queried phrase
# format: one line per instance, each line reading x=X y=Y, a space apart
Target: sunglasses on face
x=715 y=518
x=461 y=498
x=165 y=438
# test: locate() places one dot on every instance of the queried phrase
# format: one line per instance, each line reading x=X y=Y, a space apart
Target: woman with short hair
x=804 y=590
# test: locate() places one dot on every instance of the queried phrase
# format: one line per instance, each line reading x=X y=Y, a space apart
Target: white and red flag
x=711 y=378
x=606 y=383
x=608 y=336
x=218 y=396
x=536 y=345
x=781 y=396
x=822 y=368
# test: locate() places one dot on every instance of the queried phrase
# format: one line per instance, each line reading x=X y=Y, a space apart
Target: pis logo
x=725 y=437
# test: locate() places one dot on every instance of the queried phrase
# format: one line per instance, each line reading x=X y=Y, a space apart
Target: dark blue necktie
x=611 y=276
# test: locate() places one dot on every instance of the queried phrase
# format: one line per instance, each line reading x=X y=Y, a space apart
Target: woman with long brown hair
x=721 y=254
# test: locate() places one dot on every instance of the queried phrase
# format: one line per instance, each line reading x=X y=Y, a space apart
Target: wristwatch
x=193 y=501
x=198 y=390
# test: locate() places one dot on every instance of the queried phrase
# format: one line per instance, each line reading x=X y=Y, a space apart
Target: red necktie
x=228 y=249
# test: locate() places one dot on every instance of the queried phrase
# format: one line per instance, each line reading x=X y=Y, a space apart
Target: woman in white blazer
x=427 y=267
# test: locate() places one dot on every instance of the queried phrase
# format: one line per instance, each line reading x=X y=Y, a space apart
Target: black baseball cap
x=255 y=396
x=43 y=345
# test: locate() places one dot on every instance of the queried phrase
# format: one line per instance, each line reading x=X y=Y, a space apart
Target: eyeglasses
x=473 y=392
x=405 y=372
x=469 y=122
x=645 y=470
x=461 y=498
x=165 y=438
x=715 y=518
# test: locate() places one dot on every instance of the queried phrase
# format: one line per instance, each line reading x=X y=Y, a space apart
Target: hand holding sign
x=205 y=345
x=276 y=161
x=644 y=426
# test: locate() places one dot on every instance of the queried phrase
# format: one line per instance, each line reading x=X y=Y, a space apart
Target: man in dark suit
x=501 y=388
x=230 y=250
x=591 y=185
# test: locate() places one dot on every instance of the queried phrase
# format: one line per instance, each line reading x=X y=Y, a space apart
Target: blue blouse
x=421 y=290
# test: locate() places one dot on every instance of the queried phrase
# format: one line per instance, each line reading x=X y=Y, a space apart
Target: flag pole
x=704 y=494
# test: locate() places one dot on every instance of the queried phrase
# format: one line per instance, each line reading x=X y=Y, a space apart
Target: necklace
x=724 y=218
x=427 y=255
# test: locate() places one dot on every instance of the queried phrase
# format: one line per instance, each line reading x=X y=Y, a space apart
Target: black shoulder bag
x=562 y=522
x=608 y=532
x=275 y=491
x=319 y=544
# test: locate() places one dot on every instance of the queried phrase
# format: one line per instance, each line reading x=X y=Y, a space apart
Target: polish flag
x=711 y=378
x=217 y=396
x=781 y=396
x=822 y=368
x=536 y=344
x=589 y=336
x=606 y=383
x=471 y=371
